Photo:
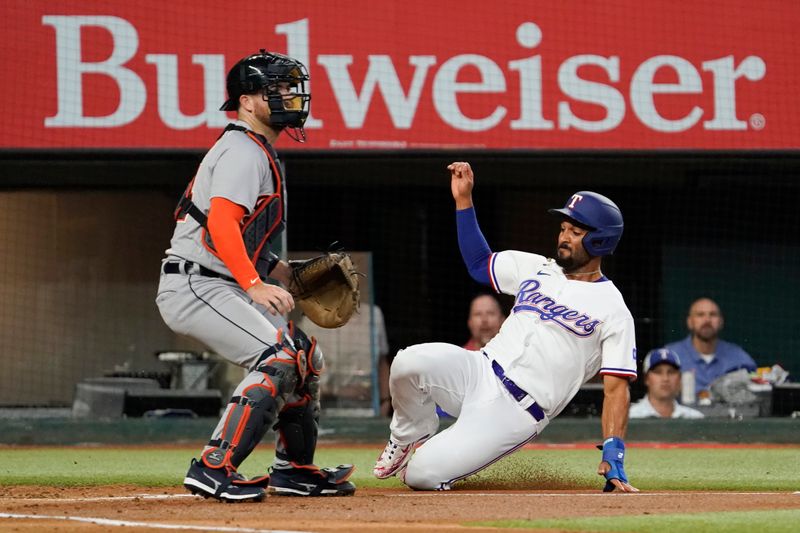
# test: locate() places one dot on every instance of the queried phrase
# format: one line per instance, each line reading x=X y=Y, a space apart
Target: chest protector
x=259 y=228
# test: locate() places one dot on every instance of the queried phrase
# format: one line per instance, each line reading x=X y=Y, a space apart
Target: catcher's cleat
x=258 y=481
x=308 y=480
x=395 y=457
x=220 y=483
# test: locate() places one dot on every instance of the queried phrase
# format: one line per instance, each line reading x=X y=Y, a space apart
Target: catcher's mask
x=282 y=83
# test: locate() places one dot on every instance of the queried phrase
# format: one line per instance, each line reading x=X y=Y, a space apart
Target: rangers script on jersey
x=560 y=332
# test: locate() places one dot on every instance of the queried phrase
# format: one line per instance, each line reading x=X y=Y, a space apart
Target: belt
x=186 y=267
x=519 y=394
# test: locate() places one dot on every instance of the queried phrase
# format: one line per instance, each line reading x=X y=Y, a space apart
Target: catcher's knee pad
x=314 y=360
x=282 y=371
x=247 y=420
x=280 y=363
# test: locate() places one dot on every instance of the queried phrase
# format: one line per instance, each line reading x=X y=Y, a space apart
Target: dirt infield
x=370 y=510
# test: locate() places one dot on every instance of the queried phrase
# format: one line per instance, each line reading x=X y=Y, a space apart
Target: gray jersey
x=236 y=168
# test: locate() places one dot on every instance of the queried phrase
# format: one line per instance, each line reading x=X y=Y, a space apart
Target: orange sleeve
x=224 y=221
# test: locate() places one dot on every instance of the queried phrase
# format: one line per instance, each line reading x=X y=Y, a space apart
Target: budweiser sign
x=119 y=80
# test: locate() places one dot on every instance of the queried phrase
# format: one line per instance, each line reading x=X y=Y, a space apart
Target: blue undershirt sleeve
x=474 y=249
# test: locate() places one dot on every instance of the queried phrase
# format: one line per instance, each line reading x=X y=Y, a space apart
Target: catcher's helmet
x=264 y=72
x=598 y=214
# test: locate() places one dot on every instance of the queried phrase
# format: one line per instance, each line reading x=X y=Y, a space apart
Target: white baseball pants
x=490 y=425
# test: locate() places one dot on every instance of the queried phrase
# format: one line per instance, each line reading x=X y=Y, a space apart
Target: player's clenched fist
x=461 y=182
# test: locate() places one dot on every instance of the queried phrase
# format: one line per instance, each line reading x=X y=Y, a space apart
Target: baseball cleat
x=395 y=457
x=220 y=483
x=308 y=480
x=258 y=481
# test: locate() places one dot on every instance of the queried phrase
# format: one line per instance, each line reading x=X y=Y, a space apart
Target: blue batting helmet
x=600 y=215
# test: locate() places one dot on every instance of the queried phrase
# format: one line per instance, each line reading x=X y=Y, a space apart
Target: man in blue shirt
x=704 y=352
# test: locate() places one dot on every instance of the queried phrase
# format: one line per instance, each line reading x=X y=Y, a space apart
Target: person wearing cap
x=662 y=370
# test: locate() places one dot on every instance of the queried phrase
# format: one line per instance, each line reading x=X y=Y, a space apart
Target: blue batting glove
x=614 y=455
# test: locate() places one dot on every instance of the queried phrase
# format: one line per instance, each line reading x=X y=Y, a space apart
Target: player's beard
x=263 y=116
x=576 y=259
x=706 y=333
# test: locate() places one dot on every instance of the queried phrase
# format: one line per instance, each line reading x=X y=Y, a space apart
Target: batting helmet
x=264 y=72
x=598 y=214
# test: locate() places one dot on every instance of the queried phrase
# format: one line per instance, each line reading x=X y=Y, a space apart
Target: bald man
x=703 y=351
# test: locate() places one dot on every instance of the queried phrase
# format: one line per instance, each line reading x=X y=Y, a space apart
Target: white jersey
x=644 y=409
x=236 y=168
x=560 y=332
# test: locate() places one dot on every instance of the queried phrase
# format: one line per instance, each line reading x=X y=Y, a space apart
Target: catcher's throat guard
x=263 y=225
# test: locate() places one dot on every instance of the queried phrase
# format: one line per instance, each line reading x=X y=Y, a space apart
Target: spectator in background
x=703 y=352
x=662 y=370
x=484 y=320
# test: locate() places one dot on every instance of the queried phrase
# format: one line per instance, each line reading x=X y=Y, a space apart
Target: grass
x=774 y=521
x=648 y=469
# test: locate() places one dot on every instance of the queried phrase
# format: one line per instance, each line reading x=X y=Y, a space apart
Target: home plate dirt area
x=29 y=509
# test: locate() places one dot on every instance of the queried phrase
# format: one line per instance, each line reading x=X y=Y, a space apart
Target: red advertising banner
x=413 y=74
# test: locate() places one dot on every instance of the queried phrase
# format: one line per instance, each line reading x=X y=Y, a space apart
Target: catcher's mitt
x=326 y=288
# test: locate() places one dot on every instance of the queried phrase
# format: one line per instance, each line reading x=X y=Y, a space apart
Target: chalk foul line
x=153 y=525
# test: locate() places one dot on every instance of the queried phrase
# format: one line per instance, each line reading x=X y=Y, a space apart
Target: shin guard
x=298 y=422
x=298 y=425
x=251 y=413
x=247 y=419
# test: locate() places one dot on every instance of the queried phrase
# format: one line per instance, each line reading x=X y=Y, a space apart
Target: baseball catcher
x=326 y=288
x=214 y=287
